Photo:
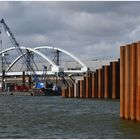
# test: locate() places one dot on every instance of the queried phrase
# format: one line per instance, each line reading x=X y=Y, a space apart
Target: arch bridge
x=54 y=67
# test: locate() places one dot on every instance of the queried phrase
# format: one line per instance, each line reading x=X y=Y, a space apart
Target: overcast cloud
x=86 y=29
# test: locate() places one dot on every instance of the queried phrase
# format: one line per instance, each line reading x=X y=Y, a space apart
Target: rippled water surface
x=57 y=117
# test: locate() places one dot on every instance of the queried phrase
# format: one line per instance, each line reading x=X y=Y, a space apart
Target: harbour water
x=57 y=117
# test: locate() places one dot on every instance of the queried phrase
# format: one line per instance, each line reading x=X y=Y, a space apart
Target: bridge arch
x=35 y=50
x=83 y=69
x=30 y=49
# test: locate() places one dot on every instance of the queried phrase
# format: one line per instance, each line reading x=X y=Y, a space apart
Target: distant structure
x=54 y=67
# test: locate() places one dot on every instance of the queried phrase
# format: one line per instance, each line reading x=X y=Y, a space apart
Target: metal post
x=127 y=81
x=96 y=84
x=110 y=80
x=63 y=92
x=99 y=83
x=102 y=82
x=118 y=79
x=78 y=89
x=114 y=80
x=93 y=85
x=81 y=88
x=133 y=81
x=87 y=86
x=138 y=83
x=122 y=80
x=106 y=82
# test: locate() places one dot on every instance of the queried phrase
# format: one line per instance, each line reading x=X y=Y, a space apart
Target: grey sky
x=86 y=29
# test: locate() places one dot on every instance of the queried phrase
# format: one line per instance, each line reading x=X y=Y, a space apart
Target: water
x=57 y=117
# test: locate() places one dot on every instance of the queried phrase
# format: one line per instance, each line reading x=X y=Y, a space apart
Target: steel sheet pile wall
x=130 y=81
x=103 y=84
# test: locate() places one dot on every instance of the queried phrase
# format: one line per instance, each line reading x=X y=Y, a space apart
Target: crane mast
x=16 y=45
x=11 y=37
x=40 y=85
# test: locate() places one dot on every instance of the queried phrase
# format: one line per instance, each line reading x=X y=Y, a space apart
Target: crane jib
x=17 y=46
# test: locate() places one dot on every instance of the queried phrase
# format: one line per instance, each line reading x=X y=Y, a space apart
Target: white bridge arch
x=55 y=68
x=83 y=69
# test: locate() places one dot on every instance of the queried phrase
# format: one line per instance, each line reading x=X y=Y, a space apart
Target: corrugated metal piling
x=78 y=89
x=127 y=81
x=138 y=82
x=63 y=92
x=120 y=79
x=87 y=81
x=102 y=84
x=96 y=84
x=81 y=88
x=93 y=86
x=130 y=81
x=99 y=83
x=114 y=80
x=106 y=82
x=133 y=81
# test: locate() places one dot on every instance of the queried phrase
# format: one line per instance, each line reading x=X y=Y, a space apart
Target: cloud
x=86 y=29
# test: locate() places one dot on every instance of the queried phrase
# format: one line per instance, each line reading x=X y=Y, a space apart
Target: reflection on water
x=57 y=117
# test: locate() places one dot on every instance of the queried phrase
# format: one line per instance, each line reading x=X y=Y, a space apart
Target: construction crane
x=18 y=49
x=40 y=85
x=11 y=37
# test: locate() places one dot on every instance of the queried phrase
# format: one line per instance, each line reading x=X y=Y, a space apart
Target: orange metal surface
x=84 y=88
x=110 y=80
x=81 y=88
x=99 y=83
x=122 y=80
x=114 y=80
x=133 y=81
x=87 y=86
x=66 y=92
x=127 y=82
x=93 y=85
x=102 y=82
x=138 y=82
x=106 y=82
x=63 y=92
x=118 y=79
x=90 y=85
x=72 y=91
x=96 y=84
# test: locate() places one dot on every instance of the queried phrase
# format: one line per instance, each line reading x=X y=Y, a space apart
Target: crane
x=11 y=37
x=39 y=84
x=17 y=46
